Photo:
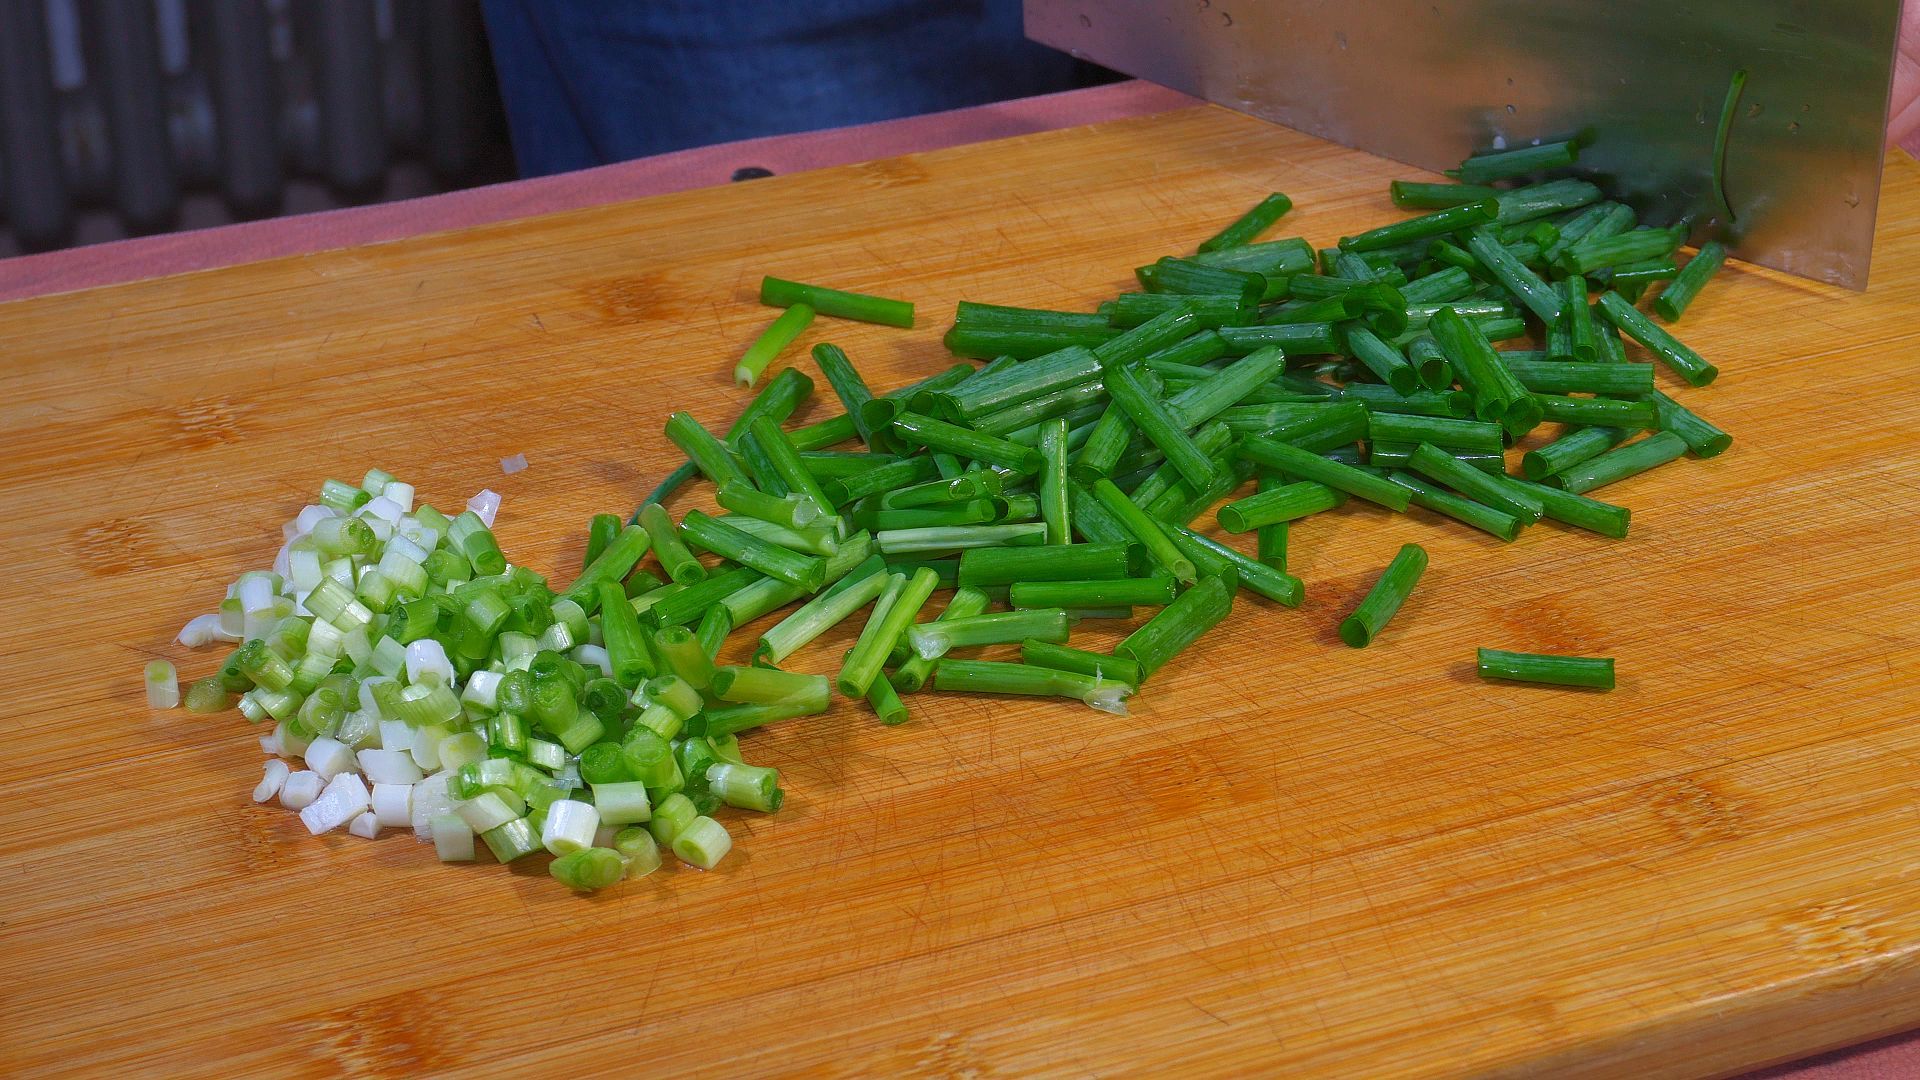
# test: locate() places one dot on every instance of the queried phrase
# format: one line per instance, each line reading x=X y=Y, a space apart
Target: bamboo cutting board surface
x=1293 y=859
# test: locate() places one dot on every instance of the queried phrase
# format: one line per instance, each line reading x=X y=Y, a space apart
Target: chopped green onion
x=1178 y=625
x=999 y=677
x=776 y=337
x=1588 y=671
x=163 y=685
x=1384 y=599
x=777 y=292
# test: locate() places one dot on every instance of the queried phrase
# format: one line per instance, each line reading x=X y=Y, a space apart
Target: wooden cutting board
x=1293 y=859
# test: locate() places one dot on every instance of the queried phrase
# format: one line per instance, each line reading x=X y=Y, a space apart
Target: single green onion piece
x=1131 y=309
x=884 y=478
x=777 y=292
x=517 y=839
x=1589 y=671
x=825 y=611
x=932 y=640
x=914 y=671
x=751 y=551
x=1497 y=394
x=1053 y=482
x=1507 y=164
x=640 y=850
x=1250 y=224
x=1618 y=464
x=1578 y=510
x=1306 y=465
x=1427 y=496
x=1438 y=223
x=775 y=338
x=1550 y=377
x=1418 y=195
x=1539 y=297
x=589 y=869
x=1386 y=362
x=683 y=657
x=626 y=644
x=1704 y=439
x=1216 y=559
x=671 y=816
x=986 y=567
x=163 y=685
x=600 y=532
x=960 y=537
x=1270 y=540
x=1388 y=593
x=1496 y=491
x=612 y=567
x=1521 y=205
x=999 y=677
x=1446 y=432
x=672 y=552
x=1278 y=505
x=1632 y=278
x=1579 y=319
x=208 y=695
x=915 y=429
x=1179 y=624
x=771 y=686
x=711 y=456
x=1155 y=591
x=1080 y=662
x=1599 y=411
x=1684 y=361
x=703 y=843
x=687 y=604
x=1640 y=245
x=746 y=787
x=1144 y=531
x=1158 y=424
x=890 y=619
x=1569 y=450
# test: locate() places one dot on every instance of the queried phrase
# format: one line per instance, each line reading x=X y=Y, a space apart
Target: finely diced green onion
x=1384 y=599
x=1587 y=671
x=775 y=338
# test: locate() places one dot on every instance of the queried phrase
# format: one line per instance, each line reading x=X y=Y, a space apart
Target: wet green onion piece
x=1384 y=599
x=1569 y=450
x=884 y=628
x=1143 y=529
x=1080 y=662
x=1179 y=624
x=1387 y=363
x=912 y=674
x=986 y=567
x=1539 y=297
x=1438 y=223
x=1507 y=164
x=1551 y=377
x=1278 y=505
x=1250 y=224
x=915 y=429
x=1701 y=437
x=776 y=337
x=1158 y=424
x=932 y=640
x=1495 y=491
x=1171 y=275
x=777 y=292
x=1620 y=463
x=1578 y=510
x=1155 y=591
x=1479 y=515
x=1497 y=395
x=1639 y=245
x=1053 y=482
x=1448 y=433
x=1673 y=300
x=672 y=552
x=711 y=456
x=1418 y=195
x=1606 y=412
x=1306 y=465
x=1386 y=454
x=1524 y=204
x=1589 y=671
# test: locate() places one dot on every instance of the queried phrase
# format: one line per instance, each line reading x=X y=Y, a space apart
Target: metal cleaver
x=1641 y=83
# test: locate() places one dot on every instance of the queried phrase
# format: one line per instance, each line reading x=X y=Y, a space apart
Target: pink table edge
x=1895 y=1057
